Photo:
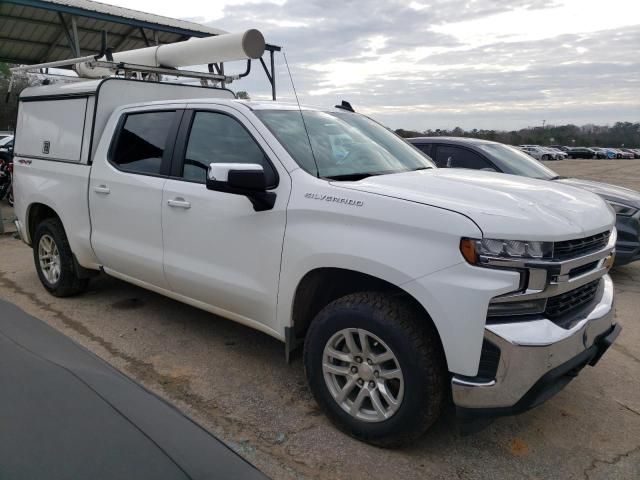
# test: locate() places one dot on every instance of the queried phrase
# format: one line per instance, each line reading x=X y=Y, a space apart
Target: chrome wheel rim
x=49 y=258
x=363 y=375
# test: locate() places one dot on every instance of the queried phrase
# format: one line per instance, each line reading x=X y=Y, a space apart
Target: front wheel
x=376 y=367
x=54 y=260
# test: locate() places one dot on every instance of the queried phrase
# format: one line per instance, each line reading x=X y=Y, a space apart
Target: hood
x=503 y=206
x=606 y=190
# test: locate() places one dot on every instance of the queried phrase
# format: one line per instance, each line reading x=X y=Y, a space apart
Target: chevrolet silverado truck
x=404 y=284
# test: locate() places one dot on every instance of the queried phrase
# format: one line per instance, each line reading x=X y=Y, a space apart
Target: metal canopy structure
x=37 y=31
x=42 y=31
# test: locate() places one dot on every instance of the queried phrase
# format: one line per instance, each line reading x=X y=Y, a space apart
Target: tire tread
x=69 y=284
x=421 y=333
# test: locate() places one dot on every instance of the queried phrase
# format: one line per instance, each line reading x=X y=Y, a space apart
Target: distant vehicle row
x=544 y=153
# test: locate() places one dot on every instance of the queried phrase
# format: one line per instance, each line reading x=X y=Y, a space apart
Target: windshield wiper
x=557 y=177
x=352 y=177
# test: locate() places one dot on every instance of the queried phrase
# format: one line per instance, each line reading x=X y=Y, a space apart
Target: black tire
x=68 y=283
x=416 y=345
x=545 y=157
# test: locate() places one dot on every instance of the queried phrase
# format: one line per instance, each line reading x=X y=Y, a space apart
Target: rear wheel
x=376 y=367
x=54 y=260
x=545 y=157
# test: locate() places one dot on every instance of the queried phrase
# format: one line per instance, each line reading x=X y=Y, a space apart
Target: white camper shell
x=66 y=121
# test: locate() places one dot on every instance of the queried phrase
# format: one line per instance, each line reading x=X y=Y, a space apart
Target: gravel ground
x=235 y=382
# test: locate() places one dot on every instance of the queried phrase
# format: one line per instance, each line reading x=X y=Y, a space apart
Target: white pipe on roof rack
x=198 y=51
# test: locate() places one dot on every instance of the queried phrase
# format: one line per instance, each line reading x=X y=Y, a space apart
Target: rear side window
x=455 y=157
x=141 y=142
x=219 y=138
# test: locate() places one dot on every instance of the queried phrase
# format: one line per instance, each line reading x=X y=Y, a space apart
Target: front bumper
x=537 y=359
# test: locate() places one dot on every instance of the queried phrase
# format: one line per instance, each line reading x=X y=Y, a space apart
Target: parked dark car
x=456 y=152
x=581 y=152
x=601 y=153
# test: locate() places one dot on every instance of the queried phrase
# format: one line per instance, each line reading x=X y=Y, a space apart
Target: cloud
x=409 y=65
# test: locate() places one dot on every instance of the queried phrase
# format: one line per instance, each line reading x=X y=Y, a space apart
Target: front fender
x=387 y=238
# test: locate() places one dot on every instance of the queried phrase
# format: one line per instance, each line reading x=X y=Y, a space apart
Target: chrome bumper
x=530 y=350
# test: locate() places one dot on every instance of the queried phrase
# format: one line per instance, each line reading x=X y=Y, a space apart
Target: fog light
x=527 y=307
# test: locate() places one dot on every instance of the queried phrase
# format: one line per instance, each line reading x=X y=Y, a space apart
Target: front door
x=217 y=249
x=125 y=195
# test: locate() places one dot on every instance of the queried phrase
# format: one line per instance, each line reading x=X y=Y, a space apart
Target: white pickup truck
x=404 y=283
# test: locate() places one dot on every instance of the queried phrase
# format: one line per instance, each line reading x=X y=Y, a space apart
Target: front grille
x=580 y=246
x=489 y=360
x=565 y=303
x=583 y=269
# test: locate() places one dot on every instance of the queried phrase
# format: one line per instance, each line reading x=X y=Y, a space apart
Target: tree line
x=621 y=134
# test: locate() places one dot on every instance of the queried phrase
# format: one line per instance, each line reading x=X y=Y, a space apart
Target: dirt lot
x=235 y=382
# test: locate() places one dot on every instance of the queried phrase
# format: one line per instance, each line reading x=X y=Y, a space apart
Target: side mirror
x=242 y=179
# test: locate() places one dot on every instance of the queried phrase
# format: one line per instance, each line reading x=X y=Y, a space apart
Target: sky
x=427 y=64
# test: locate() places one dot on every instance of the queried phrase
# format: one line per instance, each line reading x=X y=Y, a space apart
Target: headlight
x=622 y=209
x=472 y=249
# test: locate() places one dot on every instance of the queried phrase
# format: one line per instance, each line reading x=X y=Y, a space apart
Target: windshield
x=514 y=161
x=346 y=146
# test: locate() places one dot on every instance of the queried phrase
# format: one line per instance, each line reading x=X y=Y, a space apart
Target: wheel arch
x=321 y=286
x=36 y=213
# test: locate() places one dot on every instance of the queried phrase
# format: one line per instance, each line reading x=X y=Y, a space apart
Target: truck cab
x=400 y=281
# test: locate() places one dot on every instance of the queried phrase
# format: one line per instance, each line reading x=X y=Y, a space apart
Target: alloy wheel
x=363 y=375
x=49 y=258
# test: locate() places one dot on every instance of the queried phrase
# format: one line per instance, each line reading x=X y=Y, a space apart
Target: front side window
x=424 y=147
x=341 y=146
x=219 y=138
x=455 y=157
x=141 y=142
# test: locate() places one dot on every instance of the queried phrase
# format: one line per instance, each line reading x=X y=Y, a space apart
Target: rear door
x=125 y=194
x=217 y=249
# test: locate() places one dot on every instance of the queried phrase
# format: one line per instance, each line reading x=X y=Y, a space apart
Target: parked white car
x=402 y=281
x=537 y=152
x=557 y=153
x=5 y=139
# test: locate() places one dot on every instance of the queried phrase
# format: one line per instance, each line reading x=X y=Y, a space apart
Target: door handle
x=102 y=189
x=179 y=203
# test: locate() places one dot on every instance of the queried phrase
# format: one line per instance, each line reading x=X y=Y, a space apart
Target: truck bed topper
x=61 y=109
